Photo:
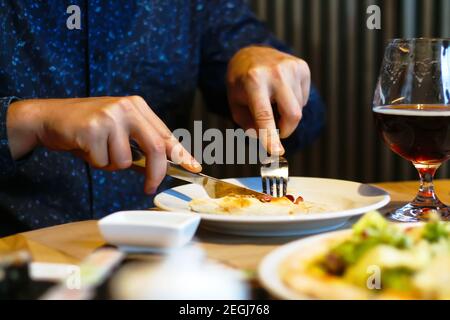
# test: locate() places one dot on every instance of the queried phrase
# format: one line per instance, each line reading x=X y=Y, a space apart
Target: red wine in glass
x=418 y=133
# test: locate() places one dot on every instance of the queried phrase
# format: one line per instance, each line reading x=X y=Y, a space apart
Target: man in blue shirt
x=71 y=98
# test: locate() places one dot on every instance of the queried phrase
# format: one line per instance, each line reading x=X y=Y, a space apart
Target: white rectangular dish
x=145 y=230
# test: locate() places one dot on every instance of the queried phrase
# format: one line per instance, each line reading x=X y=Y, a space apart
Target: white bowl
x=148 y=230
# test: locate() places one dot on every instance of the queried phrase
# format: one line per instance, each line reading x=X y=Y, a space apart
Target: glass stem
x=426 y=195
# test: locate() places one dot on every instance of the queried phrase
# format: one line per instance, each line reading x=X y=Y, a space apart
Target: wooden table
x=70 y=243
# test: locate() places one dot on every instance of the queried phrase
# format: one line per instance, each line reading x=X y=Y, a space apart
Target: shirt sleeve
x=230 y=26
x=7 y=164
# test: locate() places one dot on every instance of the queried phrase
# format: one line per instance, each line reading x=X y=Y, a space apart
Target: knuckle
x=296 y=114
x=99 y=164
x=304 y=68
x=167 y=136
x=124 y=104
x=263 y=115
x=97 y=159
x=91 y=127
x=107 y=115
x=123 y=164
x=136 y=99
x=279 y=69
x=159 y=146
x=291 y=64
x=294 y=62
x=303 y=64
x=255 y=74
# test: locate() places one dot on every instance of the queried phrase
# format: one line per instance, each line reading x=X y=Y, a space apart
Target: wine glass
x=411 y=107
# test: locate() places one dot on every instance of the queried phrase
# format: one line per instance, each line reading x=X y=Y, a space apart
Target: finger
x=306 y=85
x=174 y=149
x=305 y=82
x=119 y=150
x=289 y=110
x=97 y=154
x=298 y=92
x=178 y=154
x=156 y=167
x=154 y=148
x=242 y=116
x=262 y=113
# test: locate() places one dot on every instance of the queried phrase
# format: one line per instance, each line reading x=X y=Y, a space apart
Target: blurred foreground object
x=15 y=281
x=185 y=274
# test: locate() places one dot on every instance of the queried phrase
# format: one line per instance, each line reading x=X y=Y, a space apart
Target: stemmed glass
x=411 y=107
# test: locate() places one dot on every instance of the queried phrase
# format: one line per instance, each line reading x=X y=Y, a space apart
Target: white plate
x=347 y=199
x=304 y=249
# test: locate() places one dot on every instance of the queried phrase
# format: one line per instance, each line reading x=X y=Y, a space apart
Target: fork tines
x=275 y=176
x=275 y=186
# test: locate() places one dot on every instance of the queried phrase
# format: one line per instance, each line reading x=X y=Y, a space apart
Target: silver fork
x=275 y=176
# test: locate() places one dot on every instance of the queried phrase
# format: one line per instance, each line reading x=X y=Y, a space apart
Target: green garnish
x=372 y=230
x=434 y=231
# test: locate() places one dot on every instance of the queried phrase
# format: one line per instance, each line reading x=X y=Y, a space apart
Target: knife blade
x=215 y=188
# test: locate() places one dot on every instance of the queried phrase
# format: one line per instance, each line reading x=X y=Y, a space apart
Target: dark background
x=344 y=57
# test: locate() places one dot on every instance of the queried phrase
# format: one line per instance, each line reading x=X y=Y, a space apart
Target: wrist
x=21 y=124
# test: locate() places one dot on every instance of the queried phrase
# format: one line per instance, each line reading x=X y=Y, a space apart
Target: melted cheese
x=247 y=205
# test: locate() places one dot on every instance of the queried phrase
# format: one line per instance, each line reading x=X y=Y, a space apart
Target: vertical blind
x=344 y=57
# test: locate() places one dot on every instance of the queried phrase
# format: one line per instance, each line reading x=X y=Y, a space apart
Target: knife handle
x=137 y=155
x=173 y=170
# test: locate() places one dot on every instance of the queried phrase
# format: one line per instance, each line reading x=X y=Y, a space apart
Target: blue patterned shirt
x=158 y=49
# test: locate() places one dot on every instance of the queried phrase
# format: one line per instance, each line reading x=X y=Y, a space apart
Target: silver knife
x=214 y=187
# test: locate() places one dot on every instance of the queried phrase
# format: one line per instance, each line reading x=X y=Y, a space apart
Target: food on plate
x=250 y=205
x=378 y=260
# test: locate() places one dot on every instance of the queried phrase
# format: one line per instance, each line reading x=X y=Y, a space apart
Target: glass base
x=426 y=202
x=415 y=213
